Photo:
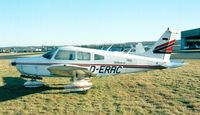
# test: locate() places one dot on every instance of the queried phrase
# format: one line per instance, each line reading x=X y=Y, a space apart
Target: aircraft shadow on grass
x=14 y=89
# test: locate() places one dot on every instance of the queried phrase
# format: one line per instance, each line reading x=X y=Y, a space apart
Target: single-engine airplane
x=82 y=63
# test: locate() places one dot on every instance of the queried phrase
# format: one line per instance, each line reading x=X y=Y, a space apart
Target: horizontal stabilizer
x=174 y=64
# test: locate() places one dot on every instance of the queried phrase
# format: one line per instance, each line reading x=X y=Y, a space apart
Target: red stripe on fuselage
x=126 y=65
x=88 y=65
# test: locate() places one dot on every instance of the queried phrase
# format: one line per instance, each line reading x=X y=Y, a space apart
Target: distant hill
x=115 y=47
x=122 y=46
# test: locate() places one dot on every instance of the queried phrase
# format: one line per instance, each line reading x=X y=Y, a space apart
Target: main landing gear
x=79 y=84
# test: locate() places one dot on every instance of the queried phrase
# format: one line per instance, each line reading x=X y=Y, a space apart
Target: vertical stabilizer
x=163 y=48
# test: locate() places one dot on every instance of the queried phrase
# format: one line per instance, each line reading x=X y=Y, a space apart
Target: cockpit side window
x=83 y=56
x=49 y=54
x=98 y=57
x=65 y=55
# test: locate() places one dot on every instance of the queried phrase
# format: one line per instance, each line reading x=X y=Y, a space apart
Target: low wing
x=69 y=70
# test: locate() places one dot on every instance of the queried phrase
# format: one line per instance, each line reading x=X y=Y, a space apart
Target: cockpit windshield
x=49 y=54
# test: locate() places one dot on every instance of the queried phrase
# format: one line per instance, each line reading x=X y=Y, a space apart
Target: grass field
x=169 y=91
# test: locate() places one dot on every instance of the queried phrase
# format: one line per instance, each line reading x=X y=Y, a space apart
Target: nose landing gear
x=32 y=83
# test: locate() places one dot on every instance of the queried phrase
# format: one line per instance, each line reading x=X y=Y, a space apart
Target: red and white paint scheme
x=80 y=63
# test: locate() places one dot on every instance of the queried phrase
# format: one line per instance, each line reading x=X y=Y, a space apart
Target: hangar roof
x=190 y=33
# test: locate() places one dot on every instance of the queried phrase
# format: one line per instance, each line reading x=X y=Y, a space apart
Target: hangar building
x=190 y=39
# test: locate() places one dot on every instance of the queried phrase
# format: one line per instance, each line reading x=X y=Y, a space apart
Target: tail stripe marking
x=165 y=48
x=165 y=44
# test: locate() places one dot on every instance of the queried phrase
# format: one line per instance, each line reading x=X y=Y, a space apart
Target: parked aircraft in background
x=82 y=63
x=138 y=49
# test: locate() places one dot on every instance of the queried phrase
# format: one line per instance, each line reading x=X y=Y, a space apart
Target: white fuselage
x=109 y=63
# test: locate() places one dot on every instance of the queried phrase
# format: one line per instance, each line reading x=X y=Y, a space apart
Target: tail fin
x=162 y=49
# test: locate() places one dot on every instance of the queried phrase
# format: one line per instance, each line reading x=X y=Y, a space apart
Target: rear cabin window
x=65 y=55
x=83 y=56
x=98 y=57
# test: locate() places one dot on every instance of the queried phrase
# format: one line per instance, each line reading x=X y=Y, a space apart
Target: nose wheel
x=33 y=83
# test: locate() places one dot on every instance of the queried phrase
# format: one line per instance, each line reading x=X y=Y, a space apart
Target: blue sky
x=75 y=22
